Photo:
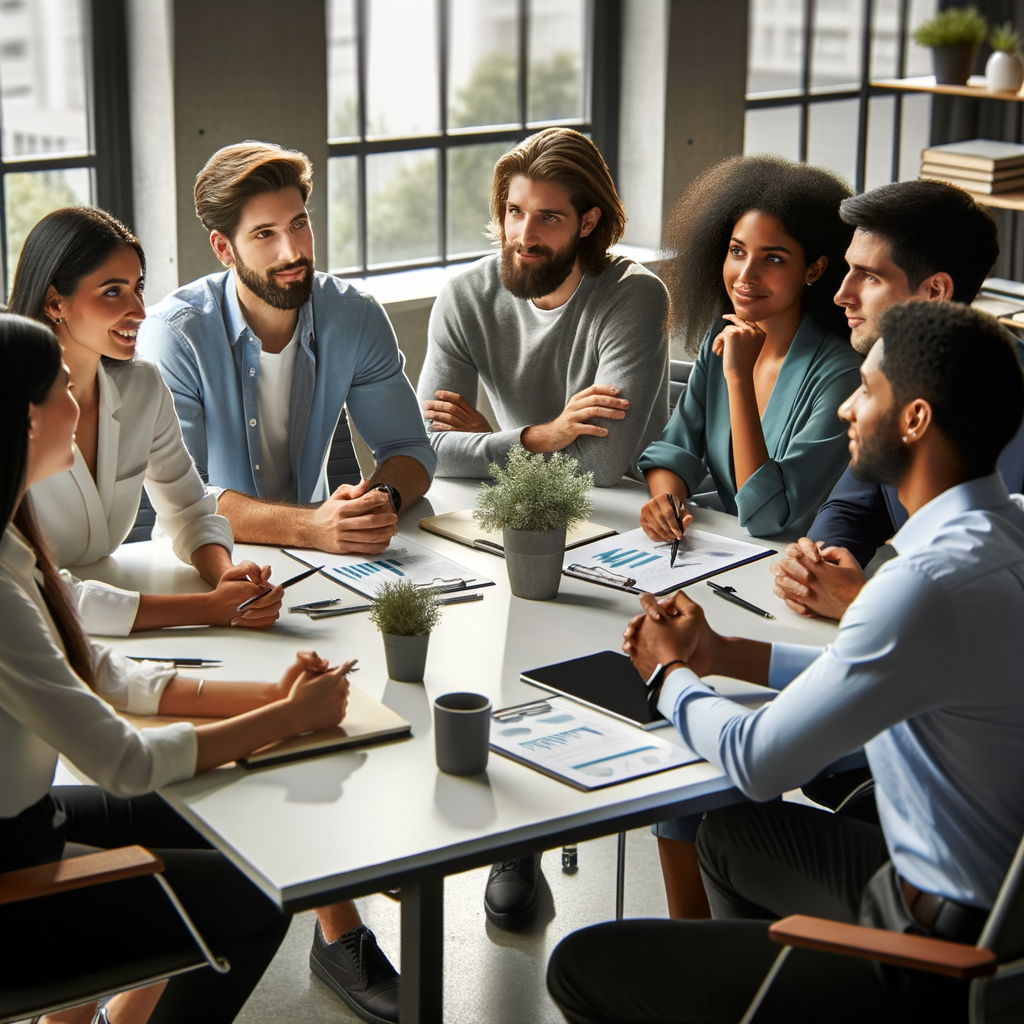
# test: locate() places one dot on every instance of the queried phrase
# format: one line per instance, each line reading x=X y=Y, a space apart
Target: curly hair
x=805 y=200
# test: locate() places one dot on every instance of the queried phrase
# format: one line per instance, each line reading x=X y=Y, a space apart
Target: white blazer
x=139 y=441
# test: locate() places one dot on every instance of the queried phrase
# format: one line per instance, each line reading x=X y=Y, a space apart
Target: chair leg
x=219 y=964
x=755 y=1004
x=620 y=878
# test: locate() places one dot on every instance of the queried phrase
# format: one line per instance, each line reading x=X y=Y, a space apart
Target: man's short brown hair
x=234 y=174
x=564 y=156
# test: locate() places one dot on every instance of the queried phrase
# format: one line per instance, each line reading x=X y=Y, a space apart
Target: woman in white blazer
x=81 y=273
x=56 y=692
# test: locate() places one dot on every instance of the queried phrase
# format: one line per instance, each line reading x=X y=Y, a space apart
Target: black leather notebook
x=605 y=681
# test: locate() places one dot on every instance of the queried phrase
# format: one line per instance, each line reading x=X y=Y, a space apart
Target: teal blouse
x=806 y=440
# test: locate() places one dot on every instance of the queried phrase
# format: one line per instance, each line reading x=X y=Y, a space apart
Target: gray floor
x=490 y=975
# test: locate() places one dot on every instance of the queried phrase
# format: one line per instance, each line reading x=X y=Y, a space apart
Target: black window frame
x=109 y=124
x=601 y=70
x=806 y=96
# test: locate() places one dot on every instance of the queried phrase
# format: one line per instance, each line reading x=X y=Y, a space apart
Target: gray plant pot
x=953 y=64
x=406 y=657
x=534 y=562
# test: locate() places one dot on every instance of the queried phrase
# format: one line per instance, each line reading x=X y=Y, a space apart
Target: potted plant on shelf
x=954 y=36
x=405 y=614
x=533 y=501
x=1004 y=70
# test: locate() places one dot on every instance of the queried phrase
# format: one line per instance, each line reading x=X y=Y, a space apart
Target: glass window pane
x=342 y=199
x=29 y=197
x=832 y=137
x=42 y=68
x=919 y=58
x=401 y=201
x=773 y=130
x=879 y=163
x=556 y=53
x=885 y=38
x=776 y=45
x=342 y=71
x=916 y=133
x=401 y=74
x=470 y=178
x=482 y=58
x=838 y=29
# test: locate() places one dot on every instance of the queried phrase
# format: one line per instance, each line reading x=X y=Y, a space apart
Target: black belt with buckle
x=943 y=917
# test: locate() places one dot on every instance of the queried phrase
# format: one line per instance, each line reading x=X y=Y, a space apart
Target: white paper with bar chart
x=402 y=560
x=632 y=561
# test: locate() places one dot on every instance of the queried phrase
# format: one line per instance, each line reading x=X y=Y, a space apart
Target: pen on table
x=489 y=546
x=729 y=593
x=315 y=605
x=287 y=583
x=331 y=612
x=675 y=543
x=183 y=662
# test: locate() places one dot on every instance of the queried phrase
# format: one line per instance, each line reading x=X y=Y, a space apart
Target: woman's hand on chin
x=739 y=345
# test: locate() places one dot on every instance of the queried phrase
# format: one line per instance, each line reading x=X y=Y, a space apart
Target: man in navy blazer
x=922 y=240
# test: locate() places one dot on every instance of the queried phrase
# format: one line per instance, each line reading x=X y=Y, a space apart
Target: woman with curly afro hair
x=757 y=254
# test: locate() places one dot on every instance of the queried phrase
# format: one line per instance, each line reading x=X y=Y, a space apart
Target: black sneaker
x=510 y=899
x=358 y=971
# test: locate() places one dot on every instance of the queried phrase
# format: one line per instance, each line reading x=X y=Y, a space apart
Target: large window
x=423 y=97
x=809 y=92
x=62 y=130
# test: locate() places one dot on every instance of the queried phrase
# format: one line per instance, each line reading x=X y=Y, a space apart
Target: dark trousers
x=759 y=862
x=131 y=920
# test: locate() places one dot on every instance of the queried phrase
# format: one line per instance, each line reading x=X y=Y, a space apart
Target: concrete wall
x=254 y=69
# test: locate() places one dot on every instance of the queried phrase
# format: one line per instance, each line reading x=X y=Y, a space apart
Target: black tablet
x=606 y=681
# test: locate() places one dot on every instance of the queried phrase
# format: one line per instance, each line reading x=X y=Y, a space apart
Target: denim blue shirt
x=347 y=354
x=925 y=673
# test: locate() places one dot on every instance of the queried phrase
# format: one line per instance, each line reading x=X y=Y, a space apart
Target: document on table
x=402 y=560
x=584 y=748
x=633 y=562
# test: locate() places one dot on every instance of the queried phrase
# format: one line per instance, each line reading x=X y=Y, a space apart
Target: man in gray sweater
x=569 y=342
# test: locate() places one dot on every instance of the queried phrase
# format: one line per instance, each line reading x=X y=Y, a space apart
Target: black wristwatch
x=392 y=493
x=655 y=683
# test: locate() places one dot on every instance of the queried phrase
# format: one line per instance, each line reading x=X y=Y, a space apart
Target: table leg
x=422 y=998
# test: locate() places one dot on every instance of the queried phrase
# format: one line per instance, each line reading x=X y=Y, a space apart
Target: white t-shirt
x=275 y=399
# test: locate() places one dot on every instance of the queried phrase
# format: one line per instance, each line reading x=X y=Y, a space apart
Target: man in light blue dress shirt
x=924 y=674
x=263 y=358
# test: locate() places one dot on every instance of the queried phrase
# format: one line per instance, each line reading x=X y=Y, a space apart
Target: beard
x=538 y=280
x=286 y=296
x=882 y=458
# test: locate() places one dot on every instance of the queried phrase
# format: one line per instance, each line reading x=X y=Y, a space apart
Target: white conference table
x=353 y=823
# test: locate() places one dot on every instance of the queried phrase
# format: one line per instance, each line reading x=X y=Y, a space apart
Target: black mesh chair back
x=342 y=464
x=678 y=376
x=145 y=520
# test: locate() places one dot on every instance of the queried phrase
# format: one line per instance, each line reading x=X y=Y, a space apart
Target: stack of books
x=978 y=165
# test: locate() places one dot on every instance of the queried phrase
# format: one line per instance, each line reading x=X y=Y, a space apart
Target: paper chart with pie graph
x=586 y=749
x=632 y=561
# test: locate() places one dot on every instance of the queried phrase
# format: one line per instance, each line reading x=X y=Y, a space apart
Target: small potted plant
x=534 y=500
x=954 y=35
x=405 y=614
x=1004 y=70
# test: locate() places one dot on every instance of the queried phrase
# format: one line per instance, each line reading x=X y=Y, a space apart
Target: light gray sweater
x=612 y=331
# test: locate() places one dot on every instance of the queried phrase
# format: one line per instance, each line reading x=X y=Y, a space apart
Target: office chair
x=67 y=986
x=679 y=374
x=994 y=967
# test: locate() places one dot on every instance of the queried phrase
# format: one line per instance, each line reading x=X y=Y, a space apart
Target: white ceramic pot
x=1004 y=72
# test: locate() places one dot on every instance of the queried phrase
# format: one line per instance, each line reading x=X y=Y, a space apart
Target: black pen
x=314 y=606
x=675 y=543
x=729 y=593
x=331 y=612
x=287 y=583
x=183 y=662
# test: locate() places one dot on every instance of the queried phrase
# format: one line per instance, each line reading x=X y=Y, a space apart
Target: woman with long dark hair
x=757 y=254
x=81 y=274
x=50 y=677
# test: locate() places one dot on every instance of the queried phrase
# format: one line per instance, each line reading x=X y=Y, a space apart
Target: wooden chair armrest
x=78 y=873
x=917 y=951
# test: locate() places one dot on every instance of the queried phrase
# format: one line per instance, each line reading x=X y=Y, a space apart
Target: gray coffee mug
x=462 y=732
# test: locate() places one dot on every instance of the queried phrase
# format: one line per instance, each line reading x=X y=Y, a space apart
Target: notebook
x=464 y=529
x=980 y=154
x=606 y=681
x=366 y=721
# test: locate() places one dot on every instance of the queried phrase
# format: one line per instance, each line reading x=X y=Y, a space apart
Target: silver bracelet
x=199 y=690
